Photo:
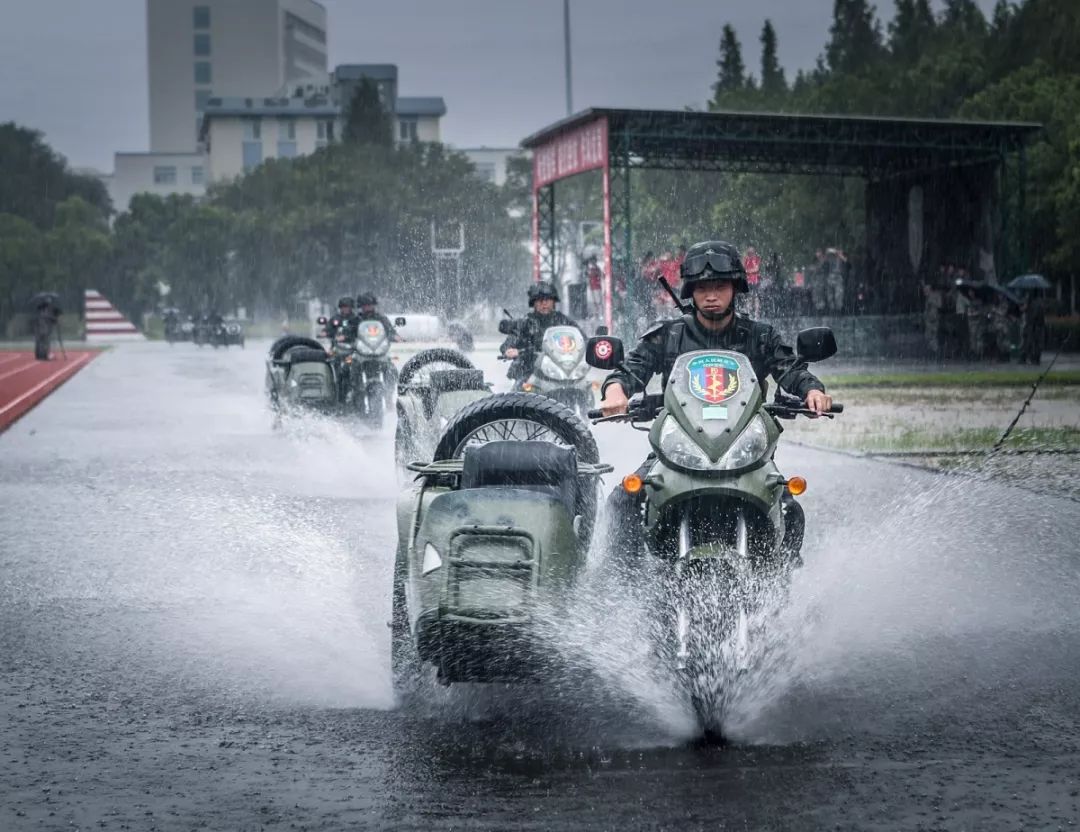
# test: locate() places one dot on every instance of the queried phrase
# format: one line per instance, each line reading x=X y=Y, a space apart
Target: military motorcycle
x=433 y=385
x=231 y=332
x=714 y=507
x=495 y=531
x=363 y=368
x=559 y=371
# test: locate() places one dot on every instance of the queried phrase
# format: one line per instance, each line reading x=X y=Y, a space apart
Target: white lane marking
x=13 y=356
x=74 y=366
x=21 y=369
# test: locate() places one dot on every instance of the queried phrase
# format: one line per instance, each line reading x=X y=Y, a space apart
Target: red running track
x=25 y=381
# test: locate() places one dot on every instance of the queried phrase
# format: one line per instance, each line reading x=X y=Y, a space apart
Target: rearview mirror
x=321 y=320
x=816 y=344
x=605 y=352
x=508 y=327
x=601 y=330
x=399 y=321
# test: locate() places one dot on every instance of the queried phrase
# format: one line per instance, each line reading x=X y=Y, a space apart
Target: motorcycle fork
x=682 y=616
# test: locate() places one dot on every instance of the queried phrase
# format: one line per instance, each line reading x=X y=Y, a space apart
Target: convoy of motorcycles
x=353 y=376
x=212 y=330
x=497 y=525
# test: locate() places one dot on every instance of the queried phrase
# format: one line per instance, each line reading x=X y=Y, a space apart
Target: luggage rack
x=455 y=466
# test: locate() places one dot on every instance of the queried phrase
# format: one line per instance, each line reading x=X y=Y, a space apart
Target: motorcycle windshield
x=565 y=345
x=371 y=338
x=712 y=394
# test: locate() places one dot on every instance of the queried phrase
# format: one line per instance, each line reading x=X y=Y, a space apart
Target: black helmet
x=366 y=299
x=542 y=291
x=345 y=301
x=712 y=260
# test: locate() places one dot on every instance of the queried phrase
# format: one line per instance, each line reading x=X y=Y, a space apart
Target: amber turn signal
x=528 y=388
x=796 y=485
x=632 y=483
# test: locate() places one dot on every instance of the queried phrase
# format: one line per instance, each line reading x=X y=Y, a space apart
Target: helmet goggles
x=718 y=261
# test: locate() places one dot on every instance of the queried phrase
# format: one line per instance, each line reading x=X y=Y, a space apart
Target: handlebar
x=644 y=411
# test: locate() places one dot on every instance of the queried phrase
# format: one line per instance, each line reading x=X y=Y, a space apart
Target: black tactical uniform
x=667 y=340
x=375 y=316
x=346 y=327
x=529 y=339
x=367 y=299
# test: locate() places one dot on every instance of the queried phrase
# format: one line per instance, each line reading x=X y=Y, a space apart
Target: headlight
x=432 y=560
x=677 y=446
x=750 y=446
x=552 y=370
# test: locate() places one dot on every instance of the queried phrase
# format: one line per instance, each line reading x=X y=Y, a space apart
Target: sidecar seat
x=448 y=381
x=532 y=466
x=303 y=355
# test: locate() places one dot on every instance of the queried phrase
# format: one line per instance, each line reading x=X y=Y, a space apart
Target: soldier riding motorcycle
x=547 y=351
x=709 y=501
x=359 y=352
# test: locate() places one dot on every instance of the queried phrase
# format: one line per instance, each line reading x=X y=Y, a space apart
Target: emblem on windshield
x=567 y=343
x=713 y=378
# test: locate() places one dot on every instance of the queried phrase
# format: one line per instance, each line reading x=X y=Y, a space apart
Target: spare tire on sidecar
x=433 y=386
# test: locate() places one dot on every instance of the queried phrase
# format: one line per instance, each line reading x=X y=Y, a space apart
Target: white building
x=204 y=49
x=490 y=162
x=241 y=133
x=220 y=48
x=238 y=134
x=155 y=173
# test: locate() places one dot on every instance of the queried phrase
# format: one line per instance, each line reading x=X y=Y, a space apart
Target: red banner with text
x=582 y=149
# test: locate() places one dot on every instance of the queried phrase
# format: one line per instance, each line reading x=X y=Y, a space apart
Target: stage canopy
x=891 y=155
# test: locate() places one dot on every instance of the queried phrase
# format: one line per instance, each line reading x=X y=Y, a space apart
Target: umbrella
x=988 y=292
x=1029 y=281
x=44 y=299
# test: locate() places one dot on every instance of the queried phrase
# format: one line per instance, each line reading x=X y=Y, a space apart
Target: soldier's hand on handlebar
x=614 y=402
x=818 y=401
x=512 y=352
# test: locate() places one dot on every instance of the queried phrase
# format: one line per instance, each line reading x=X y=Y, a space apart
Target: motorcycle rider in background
x=347 y=320
x=344 y=331
x=523 y=347
x=368 y=312
x=712 y=275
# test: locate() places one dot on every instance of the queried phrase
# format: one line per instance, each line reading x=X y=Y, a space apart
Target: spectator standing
x=836 y=264
x=1033 y=333
x=752 y=265
x=934 y=299
x=46 y=317
x=594 y=278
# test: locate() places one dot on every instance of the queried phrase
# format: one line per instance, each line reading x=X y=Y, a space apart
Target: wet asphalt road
x=192 y=636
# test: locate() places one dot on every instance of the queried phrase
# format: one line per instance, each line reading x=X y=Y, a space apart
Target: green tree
x=911 y=30
x=773 y=83
x=78 y=247
x=367 y=121
x=34 y=179
x=731 y=77
x=855 y=43
x=22 y=263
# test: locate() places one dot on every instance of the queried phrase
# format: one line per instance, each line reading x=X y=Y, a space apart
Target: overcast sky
x=76 y=69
